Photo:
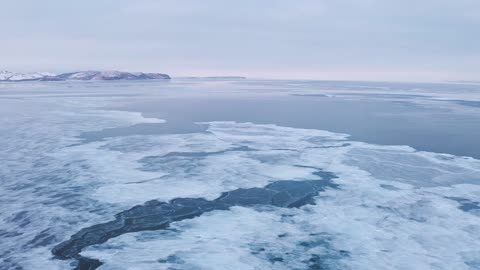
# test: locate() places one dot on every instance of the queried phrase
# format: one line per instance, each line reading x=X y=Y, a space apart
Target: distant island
x=81 y=76
x=216 y=78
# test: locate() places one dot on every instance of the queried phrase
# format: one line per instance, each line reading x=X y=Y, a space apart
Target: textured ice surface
x=413 y=224
x=155 y=215
x=395 y=207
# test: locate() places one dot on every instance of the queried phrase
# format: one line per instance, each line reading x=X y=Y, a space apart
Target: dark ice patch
x=171 y=259
x=327 y=256
x=155 y=215
x=466 y=205
x=389 y=187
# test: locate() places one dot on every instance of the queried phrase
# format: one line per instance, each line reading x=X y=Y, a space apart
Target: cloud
x=194 y=36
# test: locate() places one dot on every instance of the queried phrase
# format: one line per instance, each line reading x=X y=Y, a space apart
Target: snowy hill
x=13 y=76
x=81 y=76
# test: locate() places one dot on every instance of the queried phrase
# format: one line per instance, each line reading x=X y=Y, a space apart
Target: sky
x=407 y=40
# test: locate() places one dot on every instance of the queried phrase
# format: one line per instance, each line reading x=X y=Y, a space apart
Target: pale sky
x=415 y=40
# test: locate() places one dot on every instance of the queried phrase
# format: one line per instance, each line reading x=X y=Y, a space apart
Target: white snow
x=13 y=76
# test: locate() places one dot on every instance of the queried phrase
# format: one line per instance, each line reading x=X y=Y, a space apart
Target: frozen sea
x=397 y=166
